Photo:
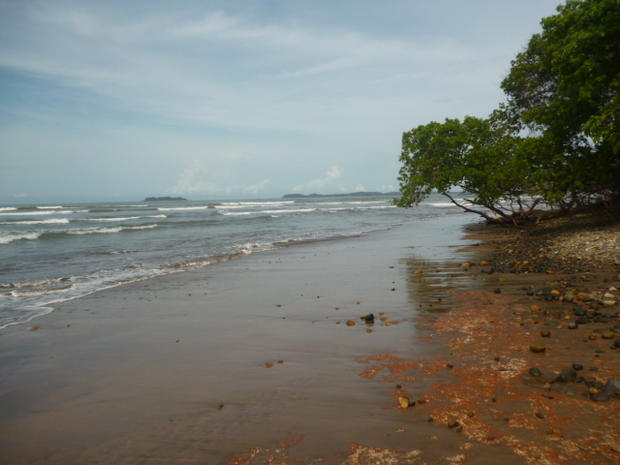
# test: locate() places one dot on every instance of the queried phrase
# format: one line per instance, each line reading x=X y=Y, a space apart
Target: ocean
x=54 y=253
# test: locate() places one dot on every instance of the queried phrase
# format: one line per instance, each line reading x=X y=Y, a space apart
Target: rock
x=535 y=372
x=351 y=323
x=566 y=376
x=610 y=390
x=535 y=308
x=545 y=333
x=370 y=318
x=617 y=343
x=555 y=293
x=609 y=302
x=539 y=415
x=578 y=311
x=484 y=263
x=404 y=402
x=465 y=265
x=572 y=325
x=269 y=365
x=577 y=366
x=33 y=328
x=498 y=291
x=608 y=335
x=453 y=422
x=538 y=348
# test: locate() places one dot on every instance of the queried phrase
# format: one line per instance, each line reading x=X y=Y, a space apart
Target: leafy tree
x=565 y=88
x=555 y=141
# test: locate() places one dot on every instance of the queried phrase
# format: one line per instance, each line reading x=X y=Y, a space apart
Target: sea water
x=53 y=253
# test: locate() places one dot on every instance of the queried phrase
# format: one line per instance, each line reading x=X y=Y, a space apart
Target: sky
x=119 y=100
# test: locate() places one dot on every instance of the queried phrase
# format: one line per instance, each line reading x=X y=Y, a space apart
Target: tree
x=565 y=89
x=481 y=156
x=555 y=141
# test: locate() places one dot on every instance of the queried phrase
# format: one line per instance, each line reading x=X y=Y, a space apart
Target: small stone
x=535 y=308
x=572 y=325
x=611 y=389
x=609 y=302
x=484 y=263
x=535 y=372
x=545 y=333
x=593 y=336
x=555 y=293
x=459 y=428
x=404 y=402
x=269 y=365
x=370 y=318
x=351 y=323
x=617 y=343
x=453 y=422
x=33 y=328
x=577 y=366
x=498 y=291
x=538 y=348
x=449 y=365
x=465 y=265
x=608 y=335
x=566 y=376
x=539 y=415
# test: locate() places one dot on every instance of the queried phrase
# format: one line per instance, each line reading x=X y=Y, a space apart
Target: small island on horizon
x=160 y=199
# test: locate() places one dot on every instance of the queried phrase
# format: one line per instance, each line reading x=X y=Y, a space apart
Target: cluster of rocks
x=596 y=390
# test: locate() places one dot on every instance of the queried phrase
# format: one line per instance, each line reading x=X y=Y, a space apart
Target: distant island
x=159 y=199
x=351 y=194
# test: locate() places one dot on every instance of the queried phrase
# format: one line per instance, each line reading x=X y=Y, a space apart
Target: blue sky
x=210 y=99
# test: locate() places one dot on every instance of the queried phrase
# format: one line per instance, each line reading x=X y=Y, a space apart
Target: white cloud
x=257 y=188
x=320 y=185
x=196 y=179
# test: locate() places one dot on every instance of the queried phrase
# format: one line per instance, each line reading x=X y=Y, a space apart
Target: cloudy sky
x=210 y=99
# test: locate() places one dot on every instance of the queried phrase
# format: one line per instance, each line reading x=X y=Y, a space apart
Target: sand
x=252 y=361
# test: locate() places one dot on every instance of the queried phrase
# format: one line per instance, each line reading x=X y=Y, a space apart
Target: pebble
x=608 y=335
x=545 y=333
x=351 y=323
x=617 y=343
x=577 y=366
x=572 y=325
x=404 y=402
x=498 y=291
x=535 y=372
x=370 y=318
x=535 y=308
x=538 y=348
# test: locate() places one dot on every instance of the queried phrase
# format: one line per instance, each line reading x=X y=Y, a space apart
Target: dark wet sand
x=172 y=370
x=244 y=363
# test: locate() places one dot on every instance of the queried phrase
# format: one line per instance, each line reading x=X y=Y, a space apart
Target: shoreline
x=252 y=361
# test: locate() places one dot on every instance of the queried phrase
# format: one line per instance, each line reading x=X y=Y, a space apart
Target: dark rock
x=545 y=333
x=578 y=311
x=609 y=391
x=535 y=372
x=566 y=376
x=539 y=415
x=449 y=365
x=370 y=318
x=577 y=366
x=617 y=343
x=581 y=321
x=498 y=291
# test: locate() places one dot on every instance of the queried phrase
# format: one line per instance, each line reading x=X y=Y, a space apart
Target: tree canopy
x=556 y=138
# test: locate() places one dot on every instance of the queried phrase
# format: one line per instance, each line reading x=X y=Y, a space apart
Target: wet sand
x=175 y=369
x=252 y=361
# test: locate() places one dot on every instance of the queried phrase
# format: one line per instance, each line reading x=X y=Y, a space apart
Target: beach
x=265 y=359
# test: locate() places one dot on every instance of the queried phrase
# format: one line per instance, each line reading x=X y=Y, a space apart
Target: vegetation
x=555 y=141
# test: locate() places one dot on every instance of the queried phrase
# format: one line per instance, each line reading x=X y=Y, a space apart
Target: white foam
x=10 y=237
x=372 y=207
x=259 y=204
x=356 y=202
x=52 y=207
x=126 y=218
x=6 y=209
x=270 y=212
x=169 y=209
x=49 y=221
x=81 y=232
x=40 y=212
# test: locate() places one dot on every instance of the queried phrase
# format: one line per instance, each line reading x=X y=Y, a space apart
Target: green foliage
x=555 y=141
